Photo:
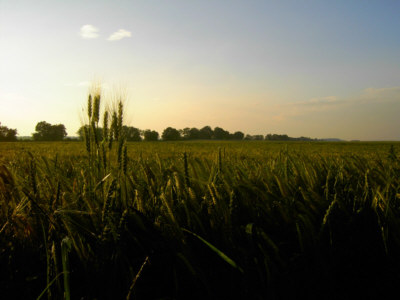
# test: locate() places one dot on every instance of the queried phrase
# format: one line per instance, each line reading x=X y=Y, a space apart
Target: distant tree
x=206 y=133
x=81 y=132
x=171 y=134
x=303 y=138
x=131 y=134
x=190 y=133
x=277 y=137
x=150 y=135
x=238 y=135
x=285 y=137
x=185 y=133
x=194 y=134
x=258 y=137
x=43 y=130
x=7 y=134
x=48 y=132
x=220 y=134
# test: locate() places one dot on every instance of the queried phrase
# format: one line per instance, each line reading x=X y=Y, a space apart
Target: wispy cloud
x=88 y=84
x=294 y=109
x=120 y=34
x=381 y=95
x=84 y=83
x=89 y=32
x=317 y=102
x=79 y=84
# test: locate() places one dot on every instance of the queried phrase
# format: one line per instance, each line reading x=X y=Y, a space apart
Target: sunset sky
x=322 y=69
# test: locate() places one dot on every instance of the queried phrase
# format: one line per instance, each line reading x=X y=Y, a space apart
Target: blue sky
x=311 y=68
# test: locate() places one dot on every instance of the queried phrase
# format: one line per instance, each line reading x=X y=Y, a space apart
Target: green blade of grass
x=221 y=254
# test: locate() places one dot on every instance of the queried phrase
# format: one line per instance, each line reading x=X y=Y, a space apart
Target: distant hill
x=331 y=140
x=285 y=137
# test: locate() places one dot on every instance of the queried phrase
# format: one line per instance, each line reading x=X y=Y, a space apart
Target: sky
x=320 y=69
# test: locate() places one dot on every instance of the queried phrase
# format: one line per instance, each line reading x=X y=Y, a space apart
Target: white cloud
x=89 y=32
x=322 y=101
x=120 y=34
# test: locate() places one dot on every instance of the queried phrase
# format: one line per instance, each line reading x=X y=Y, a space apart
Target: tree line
x=47 y=132
x=43 y=132
x=7 y=134
x=172 y=134
x=134 y=134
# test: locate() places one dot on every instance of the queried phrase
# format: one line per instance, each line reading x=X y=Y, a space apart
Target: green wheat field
x=198 y=220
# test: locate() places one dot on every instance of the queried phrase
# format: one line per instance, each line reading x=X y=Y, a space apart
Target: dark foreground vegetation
x=104 y=219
